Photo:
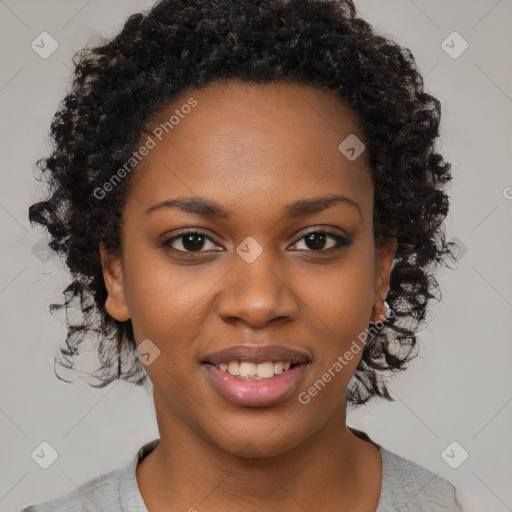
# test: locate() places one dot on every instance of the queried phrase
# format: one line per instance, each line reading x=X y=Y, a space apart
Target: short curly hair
x=119 y=86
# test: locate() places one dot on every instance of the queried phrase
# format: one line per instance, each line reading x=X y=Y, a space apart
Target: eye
x=316 y=241
x=188 y=242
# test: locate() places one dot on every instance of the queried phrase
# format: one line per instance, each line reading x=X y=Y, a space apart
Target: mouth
x=250 y=370
x=256 y=376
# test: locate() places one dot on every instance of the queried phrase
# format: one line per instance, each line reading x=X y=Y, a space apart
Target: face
x=263 y=262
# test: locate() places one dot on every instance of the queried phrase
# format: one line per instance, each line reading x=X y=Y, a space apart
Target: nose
x=256 y=294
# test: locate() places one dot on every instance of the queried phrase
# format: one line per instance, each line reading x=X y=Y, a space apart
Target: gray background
x=459 y=389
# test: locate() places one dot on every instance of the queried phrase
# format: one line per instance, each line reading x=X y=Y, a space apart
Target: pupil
x=189 y=244
x=316 y=238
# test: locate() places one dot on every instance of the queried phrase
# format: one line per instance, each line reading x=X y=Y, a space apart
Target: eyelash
x=342 y=242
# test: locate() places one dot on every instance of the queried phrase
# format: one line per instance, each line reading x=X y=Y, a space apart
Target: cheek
x=167 y=303
x=339 y=303
x=339 y=306
x=341 y=295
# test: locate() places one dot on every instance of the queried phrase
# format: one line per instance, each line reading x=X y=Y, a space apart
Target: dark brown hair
x=119 y=85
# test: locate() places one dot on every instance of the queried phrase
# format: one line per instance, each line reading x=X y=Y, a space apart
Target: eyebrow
x=212 y=209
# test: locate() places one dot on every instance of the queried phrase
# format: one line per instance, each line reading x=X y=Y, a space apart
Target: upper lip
x=256 y=354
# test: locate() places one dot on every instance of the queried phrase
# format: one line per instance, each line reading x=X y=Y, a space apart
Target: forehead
x=252 y=142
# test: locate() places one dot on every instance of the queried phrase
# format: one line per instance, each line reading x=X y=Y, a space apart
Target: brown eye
x=191 y=241
x=316 y=241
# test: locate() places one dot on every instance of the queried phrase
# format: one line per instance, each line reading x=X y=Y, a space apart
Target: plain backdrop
x=459 y=388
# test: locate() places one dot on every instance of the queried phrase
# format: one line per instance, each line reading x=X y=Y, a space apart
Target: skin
x=253 y=149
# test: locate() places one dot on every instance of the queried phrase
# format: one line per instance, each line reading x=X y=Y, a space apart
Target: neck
x=331 y=470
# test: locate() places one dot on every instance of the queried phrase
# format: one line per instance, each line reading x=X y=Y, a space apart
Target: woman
x=249 y=201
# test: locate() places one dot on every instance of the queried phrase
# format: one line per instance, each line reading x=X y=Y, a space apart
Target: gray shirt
x=406 y=486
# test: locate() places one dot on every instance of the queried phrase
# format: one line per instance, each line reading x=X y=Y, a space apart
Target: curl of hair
x=118 y=87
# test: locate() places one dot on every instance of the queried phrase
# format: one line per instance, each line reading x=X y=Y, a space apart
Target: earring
x=386 y=315
x=388 y=311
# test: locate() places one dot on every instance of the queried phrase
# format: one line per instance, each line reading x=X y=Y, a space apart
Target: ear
x=113 y=276
x=386 y=248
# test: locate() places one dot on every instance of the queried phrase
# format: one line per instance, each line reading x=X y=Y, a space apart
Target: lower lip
x=255 y=393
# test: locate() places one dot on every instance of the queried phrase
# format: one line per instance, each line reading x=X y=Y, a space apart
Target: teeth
x=253 y=371
x=265 y=370
x=234 y=368
x=248 y=369
x=278 y=367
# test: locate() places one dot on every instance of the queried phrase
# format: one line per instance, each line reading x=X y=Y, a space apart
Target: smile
x=255 y=371
x=256 y=375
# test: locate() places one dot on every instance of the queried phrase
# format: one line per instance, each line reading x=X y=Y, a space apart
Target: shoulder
x=100 y=493
x=115 y=491
x=409 y=486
